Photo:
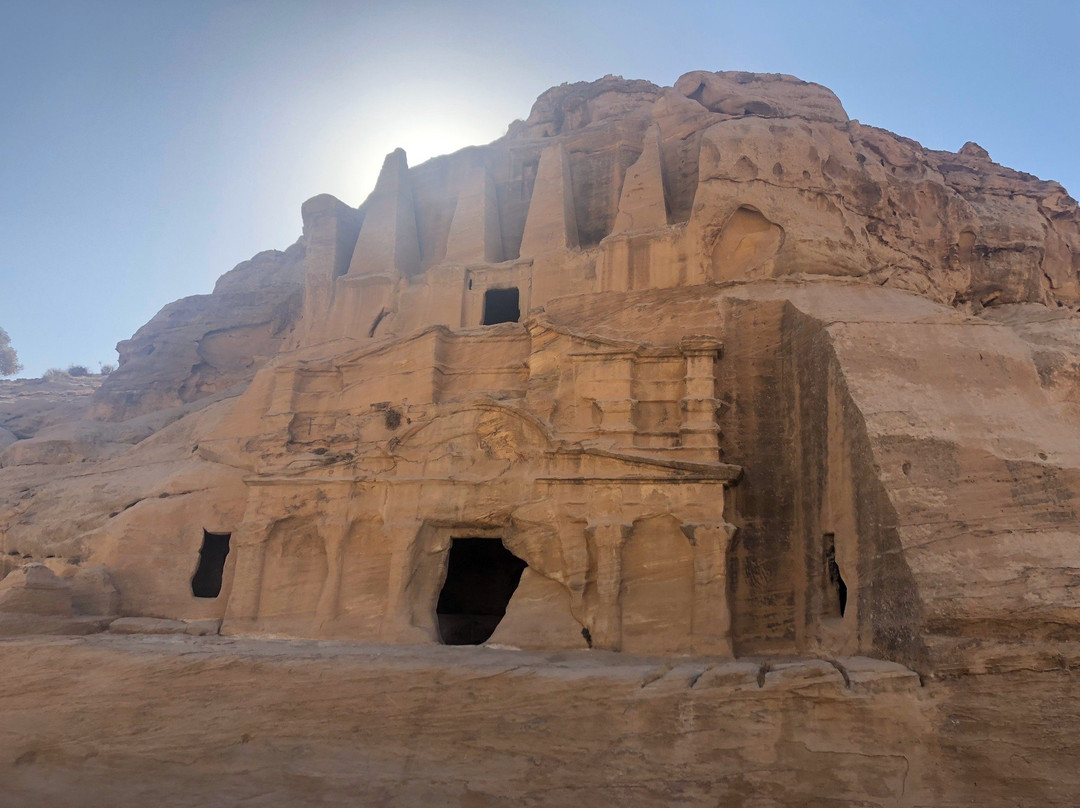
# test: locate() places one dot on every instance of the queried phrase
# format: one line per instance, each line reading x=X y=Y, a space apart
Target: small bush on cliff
x=9 y=360
x=54 y=373
x=78 y=370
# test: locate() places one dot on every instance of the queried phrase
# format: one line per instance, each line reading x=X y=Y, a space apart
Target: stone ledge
x=155 y=625
x=28 y=625
x=289 y=722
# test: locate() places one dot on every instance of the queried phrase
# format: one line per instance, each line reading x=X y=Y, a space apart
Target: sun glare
x=443 y=124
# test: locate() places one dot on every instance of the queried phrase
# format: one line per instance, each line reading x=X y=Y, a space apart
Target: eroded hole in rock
x=747 y=242
x=481 y=576
x=206 y=583
x=501 y=306
x=836 y=589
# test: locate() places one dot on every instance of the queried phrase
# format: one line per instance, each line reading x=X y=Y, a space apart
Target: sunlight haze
x=149 y=147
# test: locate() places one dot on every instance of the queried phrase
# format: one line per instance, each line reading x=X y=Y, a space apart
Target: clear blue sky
x=146 y=146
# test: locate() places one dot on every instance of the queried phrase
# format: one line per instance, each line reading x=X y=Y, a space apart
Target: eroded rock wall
x=205 y=344
x=721 y=371
x=734 y=177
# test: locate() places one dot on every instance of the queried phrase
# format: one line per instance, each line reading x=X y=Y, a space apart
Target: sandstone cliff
x=206 y=344
x=708 y=372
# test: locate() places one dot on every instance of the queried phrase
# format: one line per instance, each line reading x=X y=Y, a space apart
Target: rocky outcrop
x=765 y=95
x=206 y=344
x=34 y=589
x=339 y=725
x=569 y=107
x=29 y=405
x=705 y=372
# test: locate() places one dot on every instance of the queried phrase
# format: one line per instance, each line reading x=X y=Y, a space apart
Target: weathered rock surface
x=157 y=625
x=206 y=344
x=289 y=723
x=29 y=405
x=709 y=372
x=35 y=589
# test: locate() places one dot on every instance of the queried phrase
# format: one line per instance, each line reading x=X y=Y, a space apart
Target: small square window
x=501 y=306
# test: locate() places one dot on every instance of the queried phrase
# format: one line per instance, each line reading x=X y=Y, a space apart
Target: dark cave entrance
x=501 y=306
x=835 y=587
x=206 y=583
x=481 y=576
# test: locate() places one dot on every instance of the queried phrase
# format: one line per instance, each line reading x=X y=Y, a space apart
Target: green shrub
x=9 y=360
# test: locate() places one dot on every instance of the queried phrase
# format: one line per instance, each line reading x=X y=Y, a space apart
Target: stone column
x=575 y=554
x=711 y=616
x=249 y=548
x=607 y=539
x=407 y=538
x=326 y=610
x=699 y=430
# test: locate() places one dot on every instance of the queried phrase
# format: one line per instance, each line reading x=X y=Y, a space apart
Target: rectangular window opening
x=501 y=306
x=206 y=583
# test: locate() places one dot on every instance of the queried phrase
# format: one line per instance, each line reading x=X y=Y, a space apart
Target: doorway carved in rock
x=481 y=576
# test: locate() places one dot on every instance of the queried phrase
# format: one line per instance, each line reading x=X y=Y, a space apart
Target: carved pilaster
x=575 y=555
x=711 y=616
x=607 y=379
x=699 y=429
x=326 y=610
x=408 y=539
x=606 y=540
x=248 y=548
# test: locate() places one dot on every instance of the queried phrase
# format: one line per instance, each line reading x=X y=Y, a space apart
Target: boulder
x=34 y=589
